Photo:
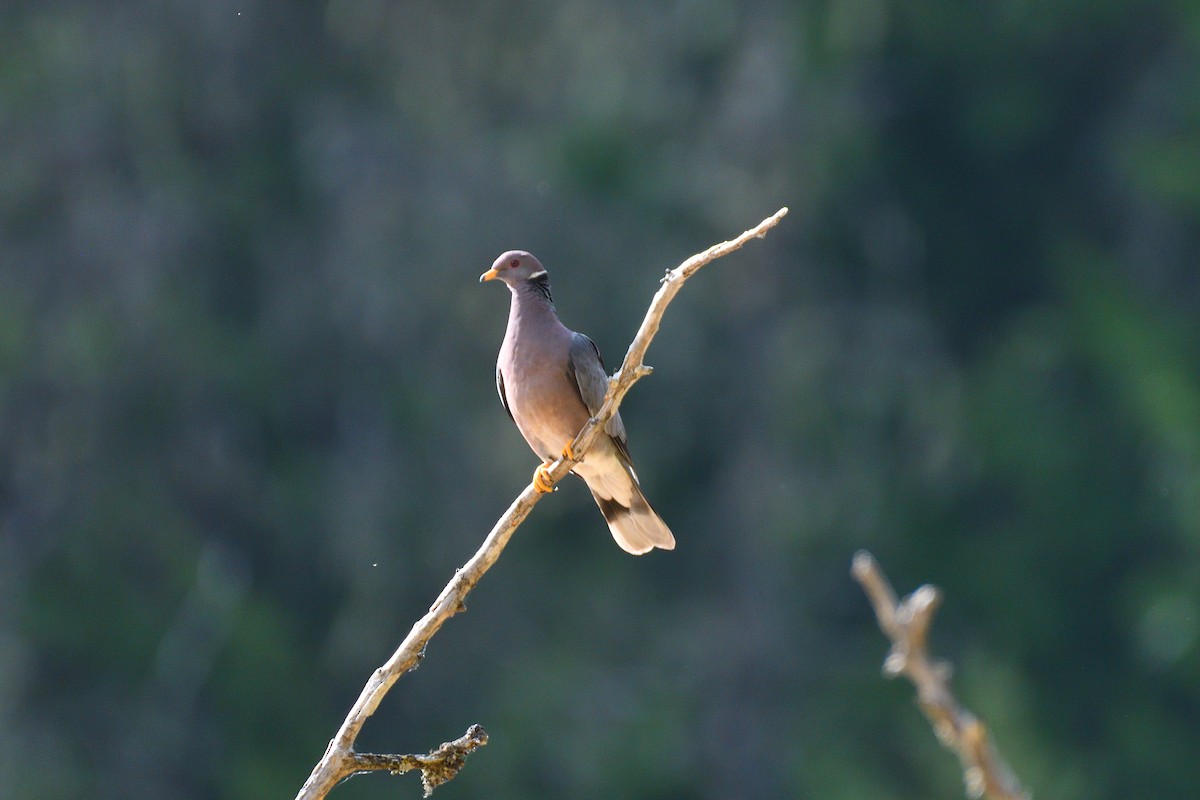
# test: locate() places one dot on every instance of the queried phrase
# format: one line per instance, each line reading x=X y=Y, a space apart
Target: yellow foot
x=541 y=481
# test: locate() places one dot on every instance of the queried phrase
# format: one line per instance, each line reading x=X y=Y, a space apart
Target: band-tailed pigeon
x=551 y=380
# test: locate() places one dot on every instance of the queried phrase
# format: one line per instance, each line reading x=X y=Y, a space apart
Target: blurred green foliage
x=248 y=429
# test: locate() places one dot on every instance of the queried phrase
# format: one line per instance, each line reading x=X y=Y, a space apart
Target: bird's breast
x=543 y=400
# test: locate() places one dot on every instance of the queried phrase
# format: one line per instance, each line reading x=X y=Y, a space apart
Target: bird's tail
x=636 y=527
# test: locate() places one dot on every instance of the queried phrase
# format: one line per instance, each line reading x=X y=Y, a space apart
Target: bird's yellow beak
x=490 y=275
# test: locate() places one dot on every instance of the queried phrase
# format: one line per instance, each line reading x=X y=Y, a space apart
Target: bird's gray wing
x=586 y=370
x=500 y=391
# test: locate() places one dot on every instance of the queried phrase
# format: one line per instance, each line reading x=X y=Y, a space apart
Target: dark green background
x=248 y=426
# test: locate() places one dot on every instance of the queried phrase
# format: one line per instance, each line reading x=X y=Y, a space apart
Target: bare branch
x=339 y=760
x=907 y=625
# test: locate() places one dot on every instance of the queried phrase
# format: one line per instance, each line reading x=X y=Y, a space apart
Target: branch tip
x=862 y=564
x=925 y=600
x=895 y=664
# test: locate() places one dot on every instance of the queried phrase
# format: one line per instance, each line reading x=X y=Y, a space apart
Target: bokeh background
x=248 y=426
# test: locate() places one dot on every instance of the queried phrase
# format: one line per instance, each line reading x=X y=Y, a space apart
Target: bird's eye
x=516 y=262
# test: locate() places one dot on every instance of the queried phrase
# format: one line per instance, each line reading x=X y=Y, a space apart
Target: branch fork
x=436 y=768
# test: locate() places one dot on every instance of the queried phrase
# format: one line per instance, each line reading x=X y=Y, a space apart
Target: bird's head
x=514 y=268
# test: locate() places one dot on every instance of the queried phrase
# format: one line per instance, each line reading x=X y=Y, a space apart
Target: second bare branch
x=906 y=623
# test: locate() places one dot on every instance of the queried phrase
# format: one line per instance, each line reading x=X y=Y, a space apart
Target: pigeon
x=551 y=380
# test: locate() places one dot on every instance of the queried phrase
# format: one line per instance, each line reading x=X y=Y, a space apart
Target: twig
x=907 y=625
x=436 y=768
x=339 y=760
